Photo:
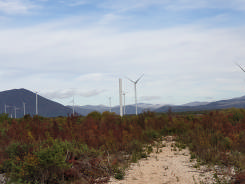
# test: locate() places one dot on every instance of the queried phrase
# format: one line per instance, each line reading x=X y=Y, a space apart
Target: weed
x=119 y=173
x=149 y=149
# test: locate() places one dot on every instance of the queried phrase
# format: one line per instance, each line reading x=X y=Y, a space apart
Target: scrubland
x=91 y=149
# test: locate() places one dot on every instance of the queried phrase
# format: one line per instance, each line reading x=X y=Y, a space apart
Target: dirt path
x=169 y=166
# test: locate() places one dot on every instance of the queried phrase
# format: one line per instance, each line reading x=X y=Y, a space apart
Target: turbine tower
x=5 y=108
x=124 y=107
x=24 y=107
x=120 y=97
x=109 y=103
x=135 y=92
x=15 y=108
x=73 y=107
x=36 y=104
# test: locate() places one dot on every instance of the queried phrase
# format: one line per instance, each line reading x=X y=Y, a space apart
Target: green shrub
x=193 y=155
x=119 y=173
x=52 y=160
x=45 y=164
x=151 y=134
x=227 y=143
x=95 y=115
x=149 y=149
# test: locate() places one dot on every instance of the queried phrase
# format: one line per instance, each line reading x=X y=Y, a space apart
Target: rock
x=3 y=179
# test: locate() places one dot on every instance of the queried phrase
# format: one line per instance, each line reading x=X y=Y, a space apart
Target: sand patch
x=169 y=166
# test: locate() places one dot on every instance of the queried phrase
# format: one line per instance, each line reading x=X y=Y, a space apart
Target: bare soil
x=171 y=165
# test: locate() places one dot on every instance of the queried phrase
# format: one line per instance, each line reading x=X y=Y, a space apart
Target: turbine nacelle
x=135 y=82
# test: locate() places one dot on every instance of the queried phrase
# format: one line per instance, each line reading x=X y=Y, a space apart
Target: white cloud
x=176 y=5
x=111 y=18
x=95 y=77
x=77 y=2
x=16 y=6
x=68 y=93
x=150 y=98
x=181 y=61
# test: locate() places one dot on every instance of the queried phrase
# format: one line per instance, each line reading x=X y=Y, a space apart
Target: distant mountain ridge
x=192 y=106
x=195 y=103
x=238 y=102
x=16 y=97
x=129 y=109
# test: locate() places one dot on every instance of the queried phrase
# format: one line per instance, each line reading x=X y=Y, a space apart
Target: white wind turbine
x=73 y=106
x=36 y=92
x=109 y=98
x=5 y=108
x=24 y=108
x=240 y=67
x=15 y=109
x=124 y=104
x=135 y=92
x=36 y=103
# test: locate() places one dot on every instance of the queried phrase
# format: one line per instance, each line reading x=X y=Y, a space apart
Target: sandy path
x=168 y=166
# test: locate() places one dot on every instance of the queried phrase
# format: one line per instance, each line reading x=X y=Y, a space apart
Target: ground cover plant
x=90 y=149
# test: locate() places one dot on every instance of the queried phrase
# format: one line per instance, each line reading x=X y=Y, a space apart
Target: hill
x=48 y=108
x=221 y=104
x=16 y=97
x=192 y=106
x=129 y=109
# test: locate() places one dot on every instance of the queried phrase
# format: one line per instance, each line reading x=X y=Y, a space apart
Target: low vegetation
x=90 y=149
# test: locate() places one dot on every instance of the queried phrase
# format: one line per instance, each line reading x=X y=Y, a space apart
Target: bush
x=52 y=160
x=151 y=134
x=95 y=115
x=226 y=143
x=46 y=164
x=119 y=173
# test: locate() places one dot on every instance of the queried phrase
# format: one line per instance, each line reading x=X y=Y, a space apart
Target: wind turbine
x=36 y=104
x=24 y=106
x=73 y=107
x=135 y=93
x=109 y=103
x=120 y=97
x=5 y=108
x=15 y=108
x=124 y=107
x=240 y=67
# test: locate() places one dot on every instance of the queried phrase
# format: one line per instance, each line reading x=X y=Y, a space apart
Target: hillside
x=221 y=104
x=16 y=98
x=129 y=109
x=192 y=106
x=48 y=108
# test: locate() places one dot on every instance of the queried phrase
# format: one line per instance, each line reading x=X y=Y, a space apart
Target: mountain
x=86 y=109
x=221 y=104
x=16 y=98
x=47 y=108
x=195 y=103
x=129 y=109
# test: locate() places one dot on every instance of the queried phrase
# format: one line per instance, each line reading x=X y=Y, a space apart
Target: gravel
x=2 y=179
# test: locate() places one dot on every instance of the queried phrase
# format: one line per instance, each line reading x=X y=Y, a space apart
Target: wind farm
x=125 y=92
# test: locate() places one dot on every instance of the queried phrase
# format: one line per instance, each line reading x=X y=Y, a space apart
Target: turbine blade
x=139 y=78
x=130 y=79
x=240 y=67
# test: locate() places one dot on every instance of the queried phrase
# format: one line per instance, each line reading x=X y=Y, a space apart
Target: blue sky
x=185 y=48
